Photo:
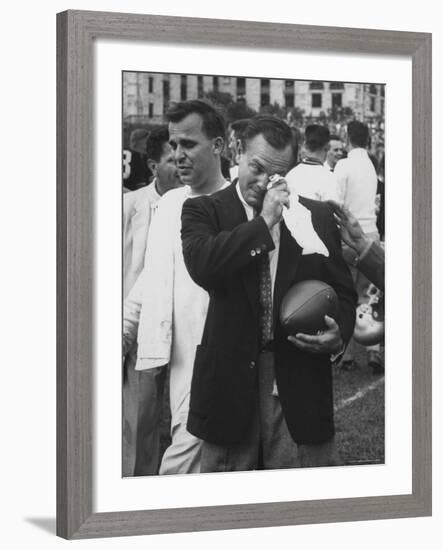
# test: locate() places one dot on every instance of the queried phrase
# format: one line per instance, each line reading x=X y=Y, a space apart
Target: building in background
x=147 y=95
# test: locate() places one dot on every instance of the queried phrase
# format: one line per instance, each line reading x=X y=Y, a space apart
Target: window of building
x=337 y=100
x=372 y=106
x=336 y=86
x=289 y=100
x=265 y=98
x=183 y=87
x=316 y=100
x=151 y=110
x=316 y=85
x=241 y=88
x=382 y=91
x=289 y=93
x=215 y=83
x=373 y=89
x=151 y=84
x=166 y=94
x=199 y=86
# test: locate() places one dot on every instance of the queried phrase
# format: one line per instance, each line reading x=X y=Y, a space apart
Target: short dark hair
x=276 y=132
x=213 y=123
x=316 y=137
x=139 y=133
x=158 y=136
x=358 y=133
x=239 y=126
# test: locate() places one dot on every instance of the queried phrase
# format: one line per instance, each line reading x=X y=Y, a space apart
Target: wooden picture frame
x=76 y=32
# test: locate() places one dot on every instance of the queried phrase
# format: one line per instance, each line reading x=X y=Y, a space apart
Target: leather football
x=304 y=306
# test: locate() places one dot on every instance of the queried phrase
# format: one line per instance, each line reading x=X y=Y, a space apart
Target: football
x=304 y=306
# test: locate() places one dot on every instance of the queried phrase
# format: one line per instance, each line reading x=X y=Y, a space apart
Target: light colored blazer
x=138 y=209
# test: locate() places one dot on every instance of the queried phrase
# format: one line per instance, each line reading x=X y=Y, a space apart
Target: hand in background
x=350 y=229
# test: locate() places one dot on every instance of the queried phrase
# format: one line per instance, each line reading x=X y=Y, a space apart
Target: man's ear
x=152 y=165
x=218 y=145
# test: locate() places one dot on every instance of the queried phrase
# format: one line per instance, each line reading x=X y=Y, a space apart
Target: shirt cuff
x=364 y=252
x=150 y=363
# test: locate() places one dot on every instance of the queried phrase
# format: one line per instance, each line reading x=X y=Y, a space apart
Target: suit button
x=252 y=364
x=263 y=247
x=258 y=250
x=253 y=253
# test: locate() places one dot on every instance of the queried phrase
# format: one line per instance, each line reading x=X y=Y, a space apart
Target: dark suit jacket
x=218 y=245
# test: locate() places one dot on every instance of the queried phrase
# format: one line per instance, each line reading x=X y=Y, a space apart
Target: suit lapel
x=232 y=214
x=288 y=260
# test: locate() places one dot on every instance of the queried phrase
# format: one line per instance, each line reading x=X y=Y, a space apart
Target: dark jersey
x=135 y=171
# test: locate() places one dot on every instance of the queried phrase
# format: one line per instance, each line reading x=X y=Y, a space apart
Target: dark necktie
x=265 y=300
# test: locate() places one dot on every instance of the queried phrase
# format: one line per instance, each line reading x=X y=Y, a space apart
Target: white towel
x=298 y=220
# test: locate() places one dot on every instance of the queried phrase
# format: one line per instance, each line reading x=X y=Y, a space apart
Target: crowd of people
x=219 y=222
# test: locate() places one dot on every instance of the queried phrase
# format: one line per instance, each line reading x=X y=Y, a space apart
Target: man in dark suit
x=259 y=399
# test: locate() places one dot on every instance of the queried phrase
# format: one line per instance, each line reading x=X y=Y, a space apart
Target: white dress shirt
x=357 y=183
x=312 y=181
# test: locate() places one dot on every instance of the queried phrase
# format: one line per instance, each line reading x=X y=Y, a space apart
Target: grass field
x=359 y=398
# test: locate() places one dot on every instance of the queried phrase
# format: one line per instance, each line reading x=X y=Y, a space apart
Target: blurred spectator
x=335 y=152
x=136 y=172
x=357 y=181
x=357 y=178
x=235 y=133
x=142 y=391
x=310 y=178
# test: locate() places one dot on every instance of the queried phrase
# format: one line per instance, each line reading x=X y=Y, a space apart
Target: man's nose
x=179 y=153
x=263 y=181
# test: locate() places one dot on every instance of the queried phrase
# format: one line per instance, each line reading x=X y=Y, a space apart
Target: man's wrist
x=270 y=221
x=362 y=244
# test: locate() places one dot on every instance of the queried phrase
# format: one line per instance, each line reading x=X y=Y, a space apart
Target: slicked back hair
x=358 y=133
x=275 y=131
x=316 y=137
x=155 y=142
x=213 y=123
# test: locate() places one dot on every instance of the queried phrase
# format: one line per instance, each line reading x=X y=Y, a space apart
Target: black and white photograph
x=253 y=273
x=218 y=321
